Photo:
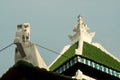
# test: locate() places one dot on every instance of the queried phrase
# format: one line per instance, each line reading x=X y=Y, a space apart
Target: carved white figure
x=27 y=50
x=26 y=32
x=23 y=33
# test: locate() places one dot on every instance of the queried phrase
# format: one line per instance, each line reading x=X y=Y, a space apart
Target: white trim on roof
x=98 y=45
x=62 y=52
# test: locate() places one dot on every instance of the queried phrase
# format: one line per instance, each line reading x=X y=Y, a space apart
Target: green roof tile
x=66 y=56
x=91 y=52
x=96 y=54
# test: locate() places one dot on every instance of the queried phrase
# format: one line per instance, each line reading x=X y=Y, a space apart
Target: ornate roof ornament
x=81 y=34
x=26 y=50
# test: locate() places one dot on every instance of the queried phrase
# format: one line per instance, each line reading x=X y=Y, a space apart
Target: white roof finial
x=80 y=20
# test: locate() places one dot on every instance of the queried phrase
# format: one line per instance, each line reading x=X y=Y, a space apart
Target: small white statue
x=25 y=49
x=26 y=32
x=23 y=33
x=78 y=75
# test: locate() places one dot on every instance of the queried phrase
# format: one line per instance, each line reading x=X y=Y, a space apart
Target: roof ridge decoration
x=27 y=50
x=83 y=46
x=81 y=35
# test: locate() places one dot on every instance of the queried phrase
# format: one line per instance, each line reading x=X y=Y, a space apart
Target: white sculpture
x=27 y=50
x=26 y=32
x=79 y=75
x=81 y=35
x=23 y=32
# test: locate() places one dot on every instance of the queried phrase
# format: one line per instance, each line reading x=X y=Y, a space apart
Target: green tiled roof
x=66 y=56
x=96 y=54
x=91 y=52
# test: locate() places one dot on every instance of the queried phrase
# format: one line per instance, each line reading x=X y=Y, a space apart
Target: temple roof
x=83 y=46
x=66 y=56
x=96 y=54
x=90 y=52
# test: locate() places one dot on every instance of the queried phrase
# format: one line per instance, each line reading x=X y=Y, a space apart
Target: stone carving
x=25 y=49
x=23 y=33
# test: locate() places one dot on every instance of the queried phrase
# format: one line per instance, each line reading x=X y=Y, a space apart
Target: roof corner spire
x=80 y=19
